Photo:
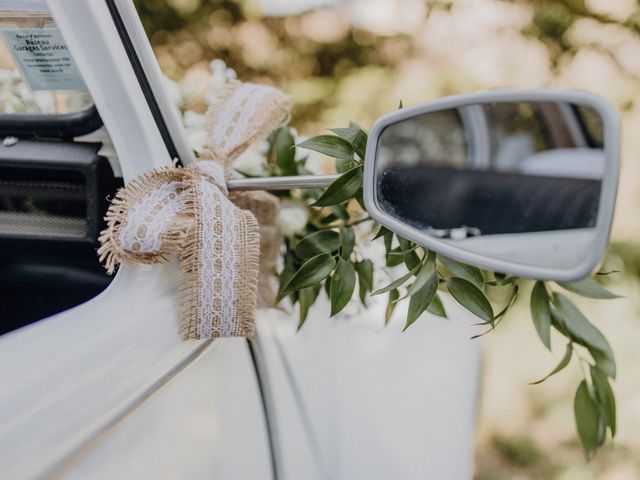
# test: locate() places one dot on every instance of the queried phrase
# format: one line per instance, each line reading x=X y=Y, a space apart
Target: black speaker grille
x=46 y=208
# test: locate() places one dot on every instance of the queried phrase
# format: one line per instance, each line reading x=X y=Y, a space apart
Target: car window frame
x=57 y=125
x=50 y=125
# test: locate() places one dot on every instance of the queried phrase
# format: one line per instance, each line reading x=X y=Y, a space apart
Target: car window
x=437 y=138
x=53 y=190
x=37 y=72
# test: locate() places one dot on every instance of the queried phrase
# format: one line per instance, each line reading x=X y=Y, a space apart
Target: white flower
x=218 y=79
x=187 y=91
x=292 y=217
x=217 y=65
x=251 y=163
x=196 y=139
x=220 y=74
x=192 y=119
x=263 y=147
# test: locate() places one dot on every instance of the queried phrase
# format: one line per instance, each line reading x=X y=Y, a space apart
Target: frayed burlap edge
x=111 y=253
x=271 y=113
x=247 y=269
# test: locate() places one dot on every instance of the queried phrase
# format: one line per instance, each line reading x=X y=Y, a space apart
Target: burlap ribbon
x=186 y=211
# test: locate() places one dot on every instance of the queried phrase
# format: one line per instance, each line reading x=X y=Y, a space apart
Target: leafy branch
x=327 y=257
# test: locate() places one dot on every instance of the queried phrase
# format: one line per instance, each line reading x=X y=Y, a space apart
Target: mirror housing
x=442 y=175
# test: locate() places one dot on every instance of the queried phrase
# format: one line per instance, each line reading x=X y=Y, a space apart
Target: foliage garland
x=325 y=253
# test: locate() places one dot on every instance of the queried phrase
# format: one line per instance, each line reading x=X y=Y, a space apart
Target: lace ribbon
x=186 y=211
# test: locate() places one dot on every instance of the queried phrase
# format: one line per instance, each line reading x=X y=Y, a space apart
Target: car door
x=107 y=389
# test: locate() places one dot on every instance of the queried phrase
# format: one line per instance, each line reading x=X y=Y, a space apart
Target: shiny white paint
x=207 y=423
x=381 y=403
x=67 y=379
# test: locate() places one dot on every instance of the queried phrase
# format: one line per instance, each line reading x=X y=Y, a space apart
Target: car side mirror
x=518 y=182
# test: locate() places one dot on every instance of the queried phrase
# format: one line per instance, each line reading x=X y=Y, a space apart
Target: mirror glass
x=512 y=181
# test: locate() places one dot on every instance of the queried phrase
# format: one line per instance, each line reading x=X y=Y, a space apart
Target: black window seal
x=147 y=91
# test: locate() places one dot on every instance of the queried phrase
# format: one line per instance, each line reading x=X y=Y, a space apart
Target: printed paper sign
x=44 y=59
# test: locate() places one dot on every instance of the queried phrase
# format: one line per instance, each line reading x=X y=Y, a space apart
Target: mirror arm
x=280 y=183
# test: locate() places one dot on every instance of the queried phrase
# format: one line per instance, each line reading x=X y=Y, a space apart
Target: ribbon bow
x=186 y=211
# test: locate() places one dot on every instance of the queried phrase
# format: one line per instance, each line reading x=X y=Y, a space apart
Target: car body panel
x=206 y=423
x=66 y=379
x=382 y=403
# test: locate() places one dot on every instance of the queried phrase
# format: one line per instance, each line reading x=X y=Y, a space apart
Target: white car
x=108 y=390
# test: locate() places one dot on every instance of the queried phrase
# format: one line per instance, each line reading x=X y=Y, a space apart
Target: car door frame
x=54 y=372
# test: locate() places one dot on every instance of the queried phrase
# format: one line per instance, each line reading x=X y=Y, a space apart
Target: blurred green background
x=355 y=60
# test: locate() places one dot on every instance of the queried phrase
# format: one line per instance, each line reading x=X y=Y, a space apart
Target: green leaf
x=561 y=365
x=285 y=153
x=365 y=278
x=392 y=259
x=427 y=269
x=342 y=189
x=421 y=299
x=330 y=145
x=585 y=333
x=604 y=360
x=404 y=252
x=541 y=313
x=340 y=211
x=359 y=197
x=343 y=282
x=344 y=165
x=558 y=323
x=355 y=136
x=397 y=283
x=462 y=270
x=327 y=286
x=605 y=398
x=587 y=287
x=405 y=245
x=286 y=273
x=312 y=272
x=515 y=288
x=609 y=272
x=412 y=260
x=468 y=295
x=382 y=231
x=284 y=278
x=347 y=241
x=391 y=305
x=587 y=420
x=306 y=297
x=436 y=307
x=323 y=241
x=388 y=240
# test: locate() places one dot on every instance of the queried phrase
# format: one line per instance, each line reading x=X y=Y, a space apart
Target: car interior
x=530 y=203
x=53 y=197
